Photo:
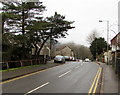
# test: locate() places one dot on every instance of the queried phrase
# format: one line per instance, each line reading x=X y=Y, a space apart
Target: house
x=65 y=51
x=109 y=56
x=115 y=43
x=45 y=50
x=48 y=48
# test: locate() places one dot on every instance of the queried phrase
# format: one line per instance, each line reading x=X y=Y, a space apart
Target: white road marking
x=37 y=88
x=64 y=74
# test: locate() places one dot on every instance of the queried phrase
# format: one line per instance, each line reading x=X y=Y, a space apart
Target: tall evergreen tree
x=20 y=14
x=17 y=17
x=58 y=28
x=51 y=28
x=98 y=46
x=24 y=18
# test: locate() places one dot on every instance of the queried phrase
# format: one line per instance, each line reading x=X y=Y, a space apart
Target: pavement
x=23 y=71
x=110 y=81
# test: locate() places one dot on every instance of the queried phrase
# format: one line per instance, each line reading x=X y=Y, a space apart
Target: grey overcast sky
x=86 y=14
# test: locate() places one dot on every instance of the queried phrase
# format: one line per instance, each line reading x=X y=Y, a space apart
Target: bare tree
x=91 y=37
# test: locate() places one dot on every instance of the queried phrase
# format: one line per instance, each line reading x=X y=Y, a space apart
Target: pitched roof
x=61 y=47
x=113 y=41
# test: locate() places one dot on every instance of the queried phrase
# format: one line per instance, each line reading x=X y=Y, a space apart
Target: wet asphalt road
x=72 y=77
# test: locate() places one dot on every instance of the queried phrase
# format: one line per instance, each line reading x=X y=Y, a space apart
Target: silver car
x=59 y=58
x=67 y=58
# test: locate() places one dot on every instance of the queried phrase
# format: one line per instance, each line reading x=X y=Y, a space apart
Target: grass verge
x=19 y=68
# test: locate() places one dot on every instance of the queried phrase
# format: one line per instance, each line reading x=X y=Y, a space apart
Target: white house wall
x=113 y=48
x=109 y=56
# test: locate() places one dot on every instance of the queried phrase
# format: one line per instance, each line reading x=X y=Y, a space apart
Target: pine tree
x=17 y=17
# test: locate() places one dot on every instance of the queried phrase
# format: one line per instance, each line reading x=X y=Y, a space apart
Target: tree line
x=25 y=27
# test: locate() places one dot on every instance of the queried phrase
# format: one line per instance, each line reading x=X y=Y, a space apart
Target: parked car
x=71 y=58
x=74 y=59
x=67 y=58
x=59 y=58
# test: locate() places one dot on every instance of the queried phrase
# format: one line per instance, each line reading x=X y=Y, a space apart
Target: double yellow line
x=95 y=82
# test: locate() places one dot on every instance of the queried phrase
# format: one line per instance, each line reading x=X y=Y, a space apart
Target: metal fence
x=35 y=60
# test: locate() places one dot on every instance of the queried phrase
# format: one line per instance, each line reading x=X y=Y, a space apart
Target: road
x=72 y=77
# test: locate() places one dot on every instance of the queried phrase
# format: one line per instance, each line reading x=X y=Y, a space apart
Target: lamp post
x=107 y=36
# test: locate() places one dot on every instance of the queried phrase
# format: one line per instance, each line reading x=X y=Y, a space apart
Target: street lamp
x=107 y=36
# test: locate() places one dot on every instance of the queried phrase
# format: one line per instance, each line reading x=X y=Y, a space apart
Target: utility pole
x=107 y=38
